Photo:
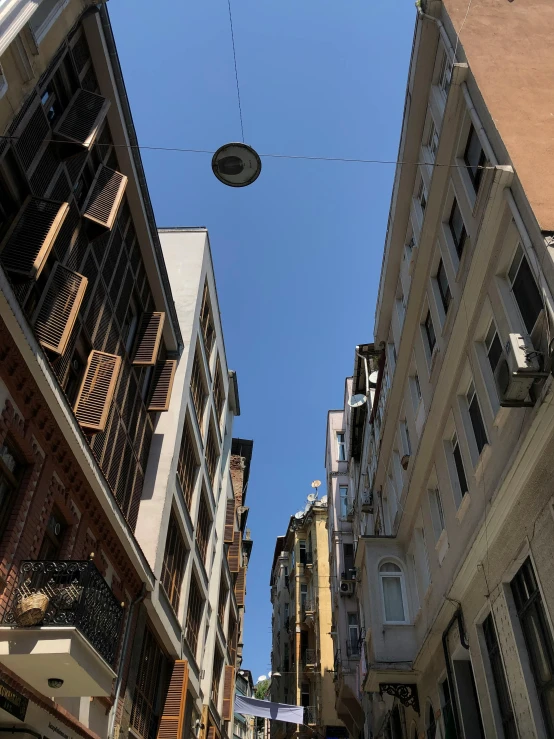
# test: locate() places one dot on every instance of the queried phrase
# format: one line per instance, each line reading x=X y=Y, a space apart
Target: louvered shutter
x=162 y=385
x=233 y=555
x=211 y=733
x=58 y=307
x=104 y=198
x=97 y=388
x=228 y=684
x=81 y=122
x=240 y=586
x=173 y=716
x=28 y=242
x=149 y=335
x=229 y=522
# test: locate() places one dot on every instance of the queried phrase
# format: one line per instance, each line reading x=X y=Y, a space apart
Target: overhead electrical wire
x=236 y=71
x=300 y=157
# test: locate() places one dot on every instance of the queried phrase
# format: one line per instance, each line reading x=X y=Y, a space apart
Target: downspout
x=458 y=616
x=119 y=680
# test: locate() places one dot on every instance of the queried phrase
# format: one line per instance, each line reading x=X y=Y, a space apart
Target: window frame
x=343 y=510
x=445 y=294
x=399 y=575
x=459 y=240
x=172 y=575
x=520 y=252
x=455 y=445
x=341 y=446
x=430 y=333
x=493 y=654
x=476 y=176
x=476 y=419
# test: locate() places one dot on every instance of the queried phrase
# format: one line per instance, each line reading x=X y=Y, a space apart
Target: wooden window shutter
x=162 y=385
x=81 y=122
x=58 y=307
x=227 y=712
x=149 y=336
x=173 y=716
x=240 y=586
x=96 y=392
x=29 y=240
x=211 y=733
x=233 y=555
x=229 y=522
x=104 y=198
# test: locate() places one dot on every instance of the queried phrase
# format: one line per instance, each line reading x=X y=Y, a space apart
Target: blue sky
x=298 y=254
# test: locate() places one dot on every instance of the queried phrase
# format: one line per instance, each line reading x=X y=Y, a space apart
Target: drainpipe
x=119 y=680
x=440 y=26
x=458 y=616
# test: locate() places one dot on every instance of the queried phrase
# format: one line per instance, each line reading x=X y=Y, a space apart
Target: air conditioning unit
x=367 y=503
x=517 y=369
x=347 y=587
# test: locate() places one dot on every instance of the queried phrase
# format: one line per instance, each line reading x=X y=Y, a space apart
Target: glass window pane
x=460 y=468
x=389 y=567
x=392 y=594
x=478 y=425
x=494 y=351
x=527 y=295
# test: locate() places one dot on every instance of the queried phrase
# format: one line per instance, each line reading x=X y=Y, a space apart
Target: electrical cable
x=182 y=150
x=236 y=72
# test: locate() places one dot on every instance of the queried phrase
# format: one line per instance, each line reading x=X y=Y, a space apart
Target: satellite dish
x=357 y=400
x=236 y=165
x=316 y=483
x=312 y=497
x=299 y=514
x=373 y=378
x=324 y=500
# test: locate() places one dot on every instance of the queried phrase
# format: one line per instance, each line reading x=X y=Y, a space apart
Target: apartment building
x=189 y=525
x=344 y=474
x=453 y=555
x=244 y=727
x=119 y=612
x=302 y=647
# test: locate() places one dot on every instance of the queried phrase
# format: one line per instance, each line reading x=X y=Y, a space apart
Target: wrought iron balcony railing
x=310 y=715
x=76 y=595
x=353 y=649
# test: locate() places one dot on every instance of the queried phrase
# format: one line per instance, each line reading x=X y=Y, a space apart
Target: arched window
x=392 y=587
x=431 y=724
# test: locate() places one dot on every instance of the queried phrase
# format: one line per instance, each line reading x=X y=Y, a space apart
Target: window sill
x=481 y=462
x=462 y=509
x=441 y=547
x=394 y=625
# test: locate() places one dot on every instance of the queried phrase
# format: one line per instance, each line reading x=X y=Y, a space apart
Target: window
x=303 y=596
x=353 y=647
x=476 y=418
x=392 y=587
x=11 y=474
x=445 y=74
x=457 y=228
x=475 y=158
x=437 y=513
x=212 y=453
x=341 y=447
x=206 y=322
x=219 y=391
x=462 y=487
x=194 y=616
x=538 y=639
x=417 y=386
x=216 y=675
x=430 y=332
x=203 y=527
x=433 y=140
x=348 y=557
x=422 y=197
x=406 y=442
x=524 y=287
x=343 y=493
x=198 y=387
x=187 y=464
x=493 y=347
x=53 y=537
x=499 y=679
x=146 y=710
x=302 y=551
x=173 y=566
x=444 y=288
x=130 y=324
x=43 y=18
x=446 y=709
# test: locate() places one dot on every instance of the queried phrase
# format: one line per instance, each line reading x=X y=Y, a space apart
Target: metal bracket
x=405 y=692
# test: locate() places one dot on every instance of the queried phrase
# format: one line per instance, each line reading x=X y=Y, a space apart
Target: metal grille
x=187 y=464
x=45 y=171
x=194 y=615
x=29 y=140
x=144 y=716
x=81 y=119
x=203 y=527
x=80 y=53
x=212 y=453
x=173 y=566
x=198 y=387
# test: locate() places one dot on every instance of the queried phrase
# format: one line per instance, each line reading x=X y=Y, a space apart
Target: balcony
x=62 y=622
x=308 y=610
x=310 y=715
